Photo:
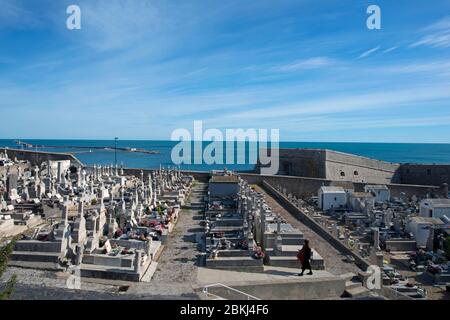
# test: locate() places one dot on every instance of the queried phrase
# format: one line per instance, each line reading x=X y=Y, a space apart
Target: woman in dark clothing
x=305 y=257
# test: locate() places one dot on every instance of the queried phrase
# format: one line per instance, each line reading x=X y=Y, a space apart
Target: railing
x=205 y=290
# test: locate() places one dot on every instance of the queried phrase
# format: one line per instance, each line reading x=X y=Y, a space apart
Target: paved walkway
x=177 y=267
x=208 y=276
x=333 y=259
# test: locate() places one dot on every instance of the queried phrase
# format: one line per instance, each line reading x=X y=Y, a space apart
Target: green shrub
x=5 y=253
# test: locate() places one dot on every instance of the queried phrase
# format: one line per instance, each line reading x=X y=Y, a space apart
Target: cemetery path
x=177 y=267
x=333 y=259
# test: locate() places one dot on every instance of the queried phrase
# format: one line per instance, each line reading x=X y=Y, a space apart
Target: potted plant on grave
x=258 y=253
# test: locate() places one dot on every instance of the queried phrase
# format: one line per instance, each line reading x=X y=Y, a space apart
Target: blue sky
x=140 y=69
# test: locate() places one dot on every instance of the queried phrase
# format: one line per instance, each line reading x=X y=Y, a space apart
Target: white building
x=422 y=228
x=380 y=192
x=435 y=208
x=332 y=198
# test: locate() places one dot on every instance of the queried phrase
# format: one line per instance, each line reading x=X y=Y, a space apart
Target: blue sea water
x=392 y=152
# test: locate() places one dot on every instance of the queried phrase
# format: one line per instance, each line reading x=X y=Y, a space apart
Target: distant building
x=435 y=208
x=335 y=166
x=332 y=198
x=422 y=228
x=380 y=192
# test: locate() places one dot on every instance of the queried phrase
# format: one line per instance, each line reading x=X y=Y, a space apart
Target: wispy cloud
x=339 y=104
x=314 y=124
x=144 y=67
x=311 y=63
x=368 y=52
x=438 y=35
x=436 y=67
x=390 y=49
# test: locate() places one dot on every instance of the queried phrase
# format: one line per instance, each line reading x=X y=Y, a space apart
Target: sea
x=391 y=152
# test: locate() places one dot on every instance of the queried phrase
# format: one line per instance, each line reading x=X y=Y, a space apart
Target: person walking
x=304 y=256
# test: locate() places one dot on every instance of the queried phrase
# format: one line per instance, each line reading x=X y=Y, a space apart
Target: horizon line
x=165 y=140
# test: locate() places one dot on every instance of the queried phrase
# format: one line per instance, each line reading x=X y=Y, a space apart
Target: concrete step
x=208 y=296
x=348 y=276
x=292 y=262
x=292 y=241
x=37 y=246
x=233 y=261
x=102 y=272
x=35 y=256
x=234 y=253
x=292 y=251
x=352 y=284
x=357 y=292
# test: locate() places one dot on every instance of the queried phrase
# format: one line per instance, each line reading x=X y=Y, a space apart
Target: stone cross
x=79 y=180
x=58 y=178
x=83 y=178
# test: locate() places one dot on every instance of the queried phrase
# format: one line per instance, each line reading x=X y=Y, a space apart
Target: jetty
x=27 y=145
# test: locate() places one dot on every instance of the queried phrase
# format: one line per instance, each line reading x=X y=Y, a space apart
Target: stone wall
x=306 y=187
x=337 y=166
x=347 y=167
x=409 y=190
x=298 y=186
x=343 y=167
x=429 y=174
x=37 y=157
x=331 y=287
x=303 y=163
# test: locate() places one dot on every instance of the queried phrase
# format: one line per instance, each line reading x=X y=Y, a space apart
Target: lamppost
x=115 y=151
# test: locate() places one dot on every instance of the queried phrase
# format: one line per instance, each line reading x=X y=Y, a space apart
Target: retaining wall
x=320 y=288
x=316 y=227
x=37 y=157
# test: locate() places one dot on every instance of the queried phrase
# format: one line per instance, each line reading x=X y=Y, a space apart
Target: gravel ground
x=333 y=259
x=177 y=267
x=175 y=275
x=35 y=284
